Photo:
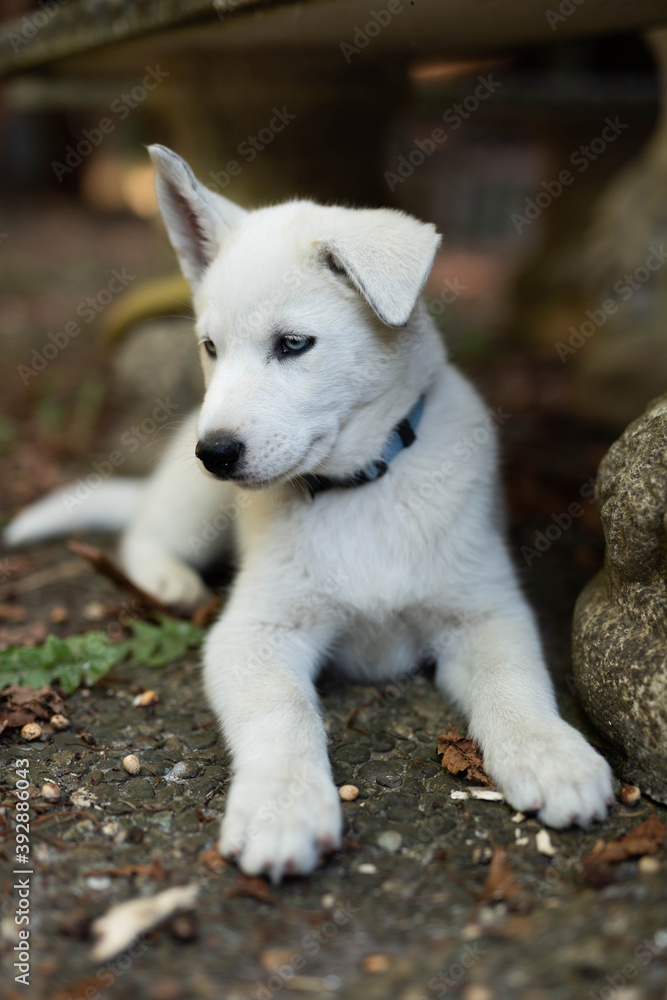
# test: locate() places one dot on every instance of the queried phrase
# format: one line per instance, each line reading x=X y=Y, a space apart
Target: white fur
x=107 y=509
x=374 y=578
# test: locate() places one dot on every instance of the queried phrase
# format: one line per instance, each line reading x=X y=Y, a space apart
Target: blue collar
x=401 y=437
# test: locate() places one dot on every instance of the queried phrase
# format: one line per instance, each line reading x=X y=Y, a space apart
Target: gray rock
x=182 y=770
x=352 y=753
x=620 y=619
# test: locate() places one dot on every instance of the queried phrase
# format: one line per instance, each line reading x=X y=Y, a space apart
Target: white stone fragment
x=544 y=845
x=486 y=794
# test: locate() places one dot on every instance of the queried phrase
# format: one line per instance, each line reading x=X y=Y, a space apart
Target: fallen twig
x=101 y=562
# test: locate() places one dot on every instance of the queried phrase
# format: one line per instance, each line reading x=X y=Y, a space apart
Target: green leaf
x=54 y=652
x=86 y=658
x=69 y=677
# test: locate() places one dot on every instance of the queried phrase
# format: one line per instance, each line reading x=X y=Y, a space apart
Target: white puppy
x=373 y=535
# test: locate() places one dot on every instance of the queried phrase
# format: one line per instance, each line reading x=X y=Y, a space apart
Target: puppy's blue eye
x=294 y=343
x=210 y=348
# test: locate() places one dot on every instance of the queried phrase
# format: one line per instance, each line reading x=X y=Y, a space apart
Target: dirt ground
x=404 y=910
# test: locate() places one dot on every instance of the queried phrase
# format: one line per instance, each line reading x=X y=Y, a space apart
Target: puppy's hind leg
x=494 y=669
x=183 y=521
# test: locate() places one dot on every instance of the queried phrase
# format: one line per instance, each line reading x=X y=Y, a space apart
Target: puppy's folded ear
x=196 y=218
x=387 y=255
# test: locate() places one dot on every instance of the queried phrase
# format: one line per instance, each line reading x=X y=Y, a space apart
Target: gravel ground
x=400 y=912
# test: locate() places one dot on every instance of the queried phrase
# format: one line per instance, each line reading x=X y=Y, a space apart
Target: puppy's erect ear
x=387 y=256
x=196 y=218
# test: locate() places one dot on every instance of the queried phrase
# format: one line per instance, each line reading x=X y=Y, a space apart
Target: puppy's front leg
x=495 y=670
x=283 y=810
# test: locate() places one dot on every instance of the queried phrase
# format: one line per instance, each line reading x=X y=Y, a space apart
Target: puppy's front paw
x=281 y=818
x=555 y=773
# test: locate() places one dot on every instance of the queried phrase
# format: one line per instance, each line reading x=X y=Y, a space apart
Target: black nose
x=220 y=455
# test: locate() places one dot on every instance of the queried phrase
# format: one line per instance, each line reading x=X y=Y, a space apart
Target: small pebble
x=476 y=991
x=59 y=614
x=367 y=869
x=98 y=882
x=649 y=866
x=132 y=764
x=328 y=900
x=31 y=731
x=83 y=799
x=50 y=791
x=59 y=721
x=348 y=793
x=389 y=840
x=147 y=698
x=630 y=795
x=375 y=963
x=94 y=611
x=182 y=769
x=272 y=957
x=184 y=927
x=518 y=818
x=482 y=854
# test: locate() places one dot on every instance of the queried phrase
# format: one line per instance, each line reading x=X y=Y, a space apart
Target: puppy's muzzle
x=220 y=455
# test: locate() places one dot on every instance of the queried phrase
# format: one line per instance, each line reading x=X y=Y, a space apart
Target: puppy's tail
x=107 y=507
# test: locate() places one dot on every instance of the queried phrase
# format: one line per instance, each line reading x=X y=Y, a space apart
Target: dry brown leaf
x=460 y=754
x=254 y=888
x=81 y=988
x=22 y=635
x=152 y=870
x=12 y=612
x=647 y=838
x=213 y=860
x=502 y=885
x=19 y=706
